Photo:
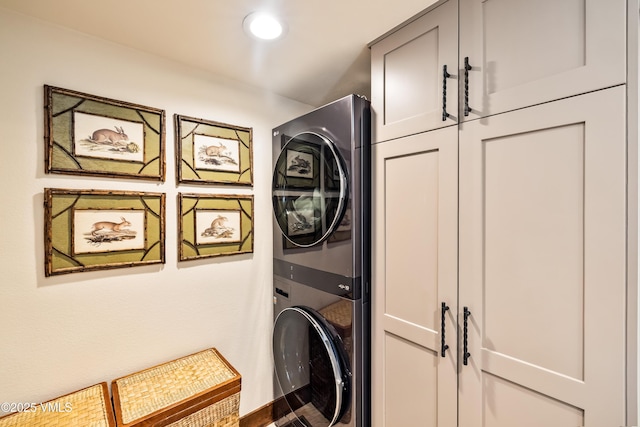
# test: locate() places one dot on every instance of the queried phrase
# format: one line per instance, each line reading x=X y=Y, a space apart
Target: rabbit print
x=216 y=153
x=108 y=136
x=218 y=228
x=216 y=150
x=106 y=230
x=109 y=227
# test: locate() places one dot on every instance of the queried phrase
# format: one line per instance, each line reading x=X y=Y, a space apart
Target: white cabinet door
x=414 y=272
x=409 y=91
x=525 y=52
x=542 y=264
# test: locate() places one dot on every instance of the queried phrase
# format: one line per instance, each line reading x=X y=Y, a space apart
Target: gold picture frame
x=211 y=152
x=214 y=225
x=91 y=135
x=99 y=229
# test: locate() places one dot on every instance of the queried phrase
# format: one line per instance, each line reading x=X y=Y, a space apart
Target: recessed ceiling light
x=263 y=26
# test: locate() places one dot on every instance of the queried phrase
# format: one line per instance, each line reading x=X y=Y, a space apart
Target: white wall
x=67 y=332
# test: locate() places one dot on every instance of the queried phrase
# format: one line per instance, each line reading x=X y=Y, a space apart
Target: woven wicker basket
x=200 y=390
x=90 y=407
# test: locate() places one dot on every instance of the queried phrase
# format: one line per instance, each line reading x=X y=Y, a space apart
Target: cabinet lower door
x=524 y=53
x=415 y=270
x=542 y=265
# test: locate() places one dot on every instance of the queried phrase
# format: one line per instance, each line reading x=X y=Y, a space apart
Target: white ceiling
x=324 y=55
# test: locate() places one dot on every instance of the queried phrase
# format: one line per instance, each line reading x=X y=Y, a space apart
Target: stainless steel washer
x=321 y=202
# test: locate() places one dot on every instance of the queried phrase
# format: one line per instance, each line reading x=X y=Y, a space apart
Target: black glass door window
x=311 y=365
x=309 y=189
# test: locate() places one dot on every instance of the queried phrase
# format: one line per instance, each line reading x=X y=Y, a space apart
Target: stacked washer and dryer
x=321 y=266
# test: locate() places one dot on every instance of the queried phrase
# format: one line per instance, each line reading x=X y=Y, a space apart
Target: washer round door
x=311 y=366
x=309 y=189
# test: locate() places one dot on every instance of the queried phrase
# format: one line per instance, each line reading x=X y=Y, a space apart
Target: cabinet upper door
x=542 y=264
x=410 y=91
x=524 y=52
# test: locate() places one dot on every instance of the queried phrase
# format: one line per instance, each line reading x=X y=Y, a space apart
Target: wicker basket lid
x=90 y=407
x=138 y=395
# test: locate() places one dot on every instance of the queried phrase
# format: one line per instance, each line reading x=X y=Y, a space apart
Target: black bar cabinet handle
x=443 y=344
x=465 y=337
x=445 y=76
x=467 y=67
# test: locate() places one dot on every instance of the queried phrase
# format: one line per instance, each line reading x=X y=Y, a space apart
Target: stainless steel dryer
x=321 y=202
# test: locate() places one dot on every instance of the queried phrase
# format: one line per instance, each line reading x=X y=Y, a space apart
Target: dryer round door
x=311 y=366
x=309 y=189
